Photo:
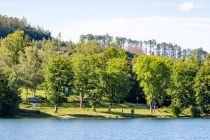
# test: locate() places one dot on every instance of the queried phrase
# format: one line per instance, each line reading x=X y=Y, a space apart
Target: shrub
x=194 y=111
x=9 y=99
x=176 y=110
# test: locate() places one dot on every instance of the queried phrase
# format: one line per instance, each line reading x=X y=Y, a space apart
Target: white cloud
x=187 y=6
x=187 y=32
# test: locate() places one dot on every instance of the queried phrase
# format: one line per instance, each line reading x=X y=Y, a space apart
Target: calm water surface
x=131 y=129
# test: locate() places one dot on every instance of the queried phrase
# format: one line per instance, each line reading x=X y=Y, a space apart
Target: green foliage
x=112 y=52
x=91 y=47
x=176 y=110
x=117 y=79
x=59 y=78
x=182 y=92
x=12 y=45
x=194 y=59
x=207 y=60
x=81 y=71
x=11 y=24
x=95 y=80
x=99 y=68
x=88 y=77
x=30 y=69
x=202 y=88
x=11 y=48
x=96 y=73
x=9 y=99
x=47 y=49
x=194 y=111
x=154 y=76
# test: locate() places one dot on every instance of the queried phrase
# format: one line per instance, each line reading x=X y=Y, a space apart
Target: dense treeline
x=9 y=25
x=184 y=81
x=101 y=72
x=150 y=47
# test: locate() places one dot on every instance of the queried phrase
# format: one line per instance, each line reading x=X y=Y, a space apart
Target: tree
x=194 y=59
x=179 y=52
x=183 y=75
x=90 y=47
x=202 y=88
x=118 y=43
x=47 y=49
x=154 y=74
x=95 y=80
x=158 y=49
x=9 y=99
x=12 y=45
x=88 y=77
x=112 y=52
x=117 y=80
x=207 y=60
x=30 y=69
x=200 y=53
x=163 y=49
x=81 y=71
x=59 y=78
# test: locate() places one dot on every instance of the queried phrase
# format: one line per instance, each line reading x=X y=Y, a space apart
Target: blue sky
x=185 y=22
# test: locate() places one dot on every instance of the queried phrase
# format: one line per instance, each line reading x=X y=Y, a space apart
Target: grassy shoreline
x=119 y=111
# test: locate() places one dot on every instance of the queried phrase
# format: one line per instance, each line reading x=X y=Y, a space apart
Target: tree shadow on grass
x=25 y=113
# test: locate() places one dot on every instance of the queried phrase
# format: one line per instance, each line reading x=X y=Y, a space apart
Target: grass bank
x=71 y=110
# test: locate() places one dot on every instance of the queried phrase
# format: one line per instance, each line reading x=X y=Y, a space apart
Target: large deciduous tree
x=59 y=78
x=30 y=69
x=183 y=94
x=202 y=88
x=87 y=72
x=12 y=45
x=117 y=79
x=154 y=75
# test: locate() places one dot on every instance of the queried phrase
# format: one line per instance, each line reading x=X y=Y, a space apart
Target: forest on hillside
x=101 y=68
x=9 y=25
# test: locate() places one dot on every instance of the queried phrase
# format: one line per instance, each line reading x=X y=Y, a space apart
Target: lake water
x=130 y=129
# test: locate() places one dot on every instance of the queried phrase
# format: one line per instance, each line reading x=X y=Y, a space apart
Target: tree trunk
x=34 y=93
x=151 y=110
x=45 y=93
x=111 y=101
x=94 y=108
x=110 y=106
x=56 y=108
x=154 y=107
x=26 y=94
x=151 y=106
x=81 y=100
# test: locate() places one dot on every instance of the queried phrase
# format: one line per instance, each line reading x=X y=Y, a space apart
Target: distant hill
x=10 y=24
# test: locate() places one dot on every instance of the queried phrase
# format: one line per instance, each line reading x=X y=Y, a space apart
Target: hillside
x=10 y=24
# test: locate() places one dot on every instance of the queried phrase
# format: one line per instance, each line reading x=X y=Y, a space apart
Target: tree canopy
x=9 y=25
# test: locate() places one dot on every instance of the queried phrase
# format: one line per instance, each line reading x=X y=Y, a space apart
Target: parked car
x=32 y=100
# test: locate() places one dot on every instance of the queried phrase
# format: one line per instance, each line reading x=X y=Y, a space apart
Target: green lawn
x=38 y=92
x=46 y=109
x=72 y=110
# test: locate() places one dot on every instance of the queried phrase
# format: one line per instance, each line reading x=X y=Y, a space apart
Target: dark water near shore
x=131 y=129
